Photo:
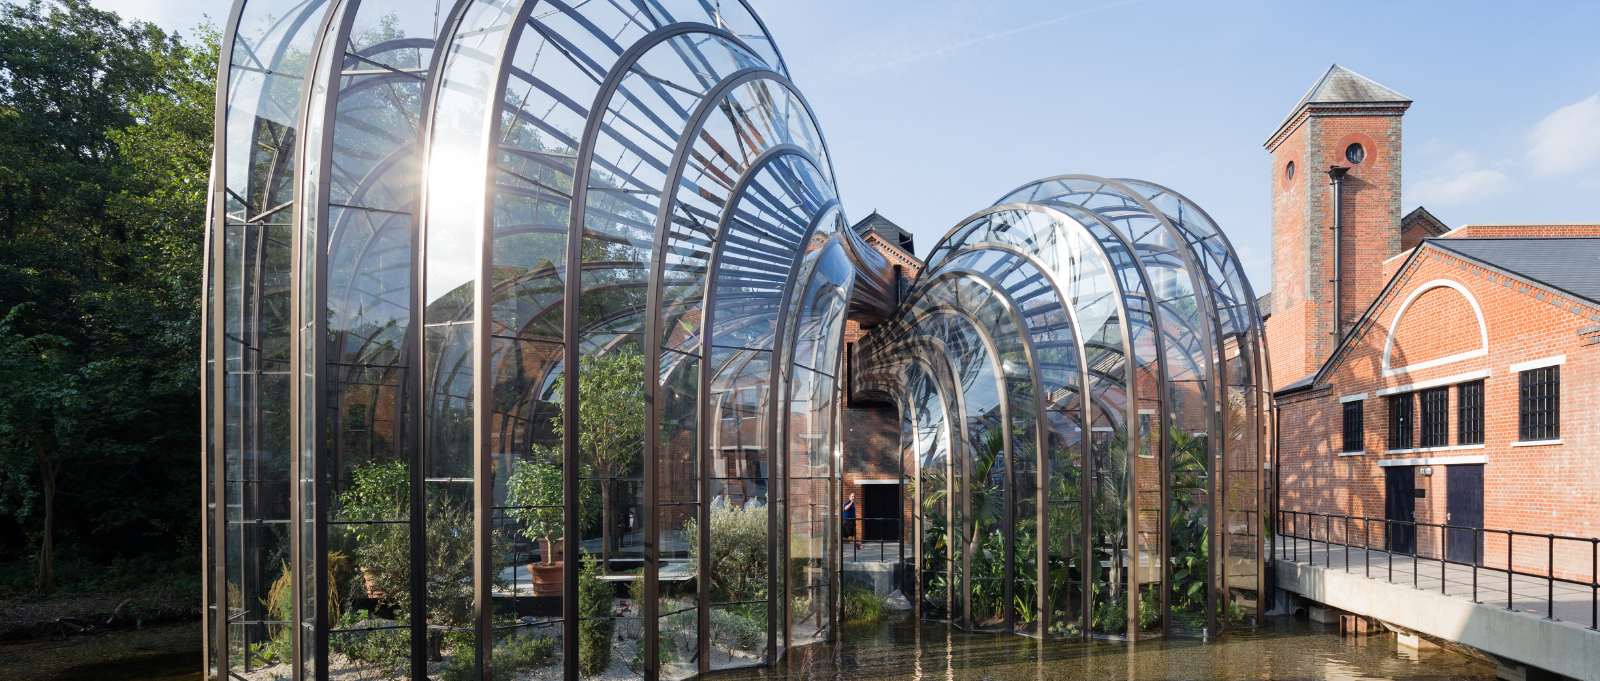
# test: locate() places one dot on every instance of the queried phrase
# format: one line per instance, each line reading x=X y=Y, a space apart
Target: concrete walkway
x=1571 y=603
x=1424 y=596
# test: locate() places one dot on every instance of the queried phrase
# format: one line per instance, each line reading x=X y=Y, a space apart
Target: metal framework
x=511 y=300
x=499 y=285
x=1082 y=372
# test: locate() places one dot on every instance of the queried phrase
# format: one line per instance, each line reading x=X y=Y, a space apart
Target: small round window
x=1355 y=154
x=1288 y=171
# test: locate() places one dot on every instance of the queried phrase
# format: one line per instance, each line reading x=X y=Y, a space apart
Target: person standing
x=850 y=520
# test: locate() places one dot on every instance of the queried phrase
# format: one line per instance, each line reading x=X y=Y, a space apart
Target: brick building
x=1426 y=374
x=872 y=443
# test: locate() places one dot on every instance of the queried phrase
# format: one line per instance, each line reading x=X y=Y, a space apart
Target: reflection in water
x=169 y=652
x=899 y=649
x=1281 y=649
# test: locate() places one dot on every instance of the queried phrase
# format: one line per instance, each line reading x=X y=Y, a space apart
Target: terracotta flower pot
x=548 y=577
x=372 y=585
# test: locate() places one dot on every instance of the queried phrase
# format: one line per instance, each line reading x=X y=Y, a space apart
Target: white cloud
x=924 y=54
x=1462 y=181
x=1568 y=139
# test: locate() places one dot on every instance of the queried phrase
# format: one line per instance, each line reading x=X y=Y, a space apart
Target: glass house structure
x=517 y=306
x=1080 y=375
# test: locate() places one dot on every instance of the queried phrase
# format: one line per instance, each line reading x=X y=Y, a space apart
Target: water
x=898 y=649
x=159 y=653
x=1283 y=649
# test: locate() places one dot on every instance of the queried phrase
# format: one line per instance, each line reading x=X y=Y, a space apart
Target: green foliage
x=611 y=412
x=380 y=490
x=388 y=649
x=1149 y=609
x=738 y=562
x=1190 y=543
x=1062 y=627
x=104 y=153
x=1111 y=616
x=738 y=629
x=594 y=636
x=862 y=604
x=76 y=574
x=514 y=654
x=539 y=484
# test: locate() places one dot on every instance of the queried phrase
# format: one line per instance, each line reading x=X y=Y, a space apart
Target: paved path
x=872 y=552
x=1571 y=603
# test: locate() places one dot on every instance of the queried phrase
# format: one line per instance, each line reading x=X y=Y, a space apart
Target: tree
x=611 y=414
x=40 y=415
x=104 y=151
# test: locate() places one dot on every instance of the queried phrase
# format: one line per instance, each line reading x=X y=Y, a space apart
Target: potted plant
x=535 y=494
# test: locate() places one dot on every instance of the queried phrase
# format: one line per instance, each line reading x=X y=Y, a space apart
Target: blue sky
x=934 y=109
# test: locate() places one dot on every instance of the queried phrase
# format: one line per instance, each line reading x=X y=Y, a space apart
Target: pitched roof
x=890 y=232
x=1338 y=88
x=1566 y=263
x=1422 y=217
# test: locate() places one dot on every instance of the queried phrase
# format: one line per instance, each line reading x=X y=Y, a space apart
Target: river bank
x=169 y=652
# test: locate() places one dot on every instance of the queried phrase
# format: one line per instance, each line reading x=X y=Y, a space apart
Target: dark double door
x=1464 y=508
x=880 y=512
x=1399 y=508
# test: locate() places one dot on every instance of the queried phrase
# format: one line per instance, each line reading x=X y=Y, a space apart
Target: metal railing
x=1299 y=526
x=885 y=549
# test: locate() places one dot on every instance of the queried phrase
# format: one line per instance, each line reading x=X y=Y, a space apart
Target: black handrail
x=852 y=543
x=1289 y=524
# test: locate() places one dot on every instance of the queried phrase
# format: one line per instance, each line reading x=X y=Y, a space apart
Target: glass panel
x=456 y=225
x=251 y=301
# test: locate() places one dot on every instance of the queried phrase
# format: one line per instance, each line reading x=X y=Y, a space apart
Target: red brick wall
x=872 y=432
x=1478 y=231
x=1439 y=323
x=1541 y=489
x=1301 y=331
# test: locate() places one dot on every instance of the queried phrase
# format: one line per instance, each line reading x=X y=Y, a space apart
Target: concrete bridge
x=1534 y=628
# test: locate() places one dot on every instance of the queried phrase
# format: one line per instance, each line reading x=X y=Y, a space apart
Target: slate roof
x=1340 y=87
x=1566 y=263
x=1422 y=217
x=886 y=230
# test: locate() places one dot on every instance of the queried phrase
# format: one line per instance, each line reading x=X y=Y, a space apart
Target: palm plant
x=1190 y=542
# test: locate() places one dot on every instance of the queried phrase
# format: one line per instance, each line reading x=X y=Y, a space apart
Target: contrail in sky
x=997 y=34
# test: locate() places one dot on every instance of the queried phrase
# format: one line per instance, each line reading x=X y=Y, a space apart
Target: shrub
x=389 y=649
x=737 y=568
x=738 y=630
x=864 y=605
x=1111 y=616
x=514 y=654
x=594 y=635
x=1149 y=610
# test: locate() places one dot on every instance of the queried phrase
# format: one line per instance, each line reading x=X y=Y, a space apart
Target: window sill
x=1535 y=443
x=1419 y=450
x=1360 y=453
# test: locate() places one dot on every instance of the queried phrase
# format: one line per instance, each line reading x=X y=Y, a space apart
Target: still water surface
x=1283 y=649
x=898 y=649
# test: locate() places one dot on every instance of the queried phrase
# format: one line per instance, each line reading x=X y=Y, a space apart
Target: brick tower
x=1346 y=126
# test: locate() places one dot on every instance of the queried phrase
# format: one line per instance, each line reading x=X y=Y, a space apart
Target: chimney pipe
x=1336 y=174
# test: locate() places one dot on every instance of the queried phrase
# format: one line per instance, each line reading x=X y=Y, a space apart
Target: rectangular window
x=1353 y=429
x=1436 y=417
x=1400 y=421
x=1469 y=417
x=1539 y=403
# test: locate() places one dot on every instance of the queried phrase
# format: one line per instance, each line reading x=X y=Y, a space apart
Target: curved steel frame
x=691 y=226
x=1219 y=445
